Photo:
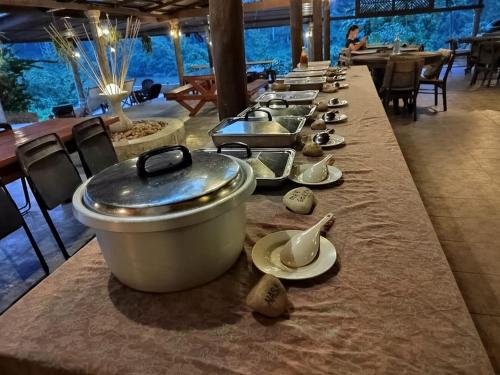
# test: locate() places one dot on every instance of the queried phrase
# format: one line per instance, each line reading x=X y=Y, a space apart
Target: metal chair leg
x=27 y=201
x=53 y=229
x=38 y=253
x=436 y=95
x=445 y=102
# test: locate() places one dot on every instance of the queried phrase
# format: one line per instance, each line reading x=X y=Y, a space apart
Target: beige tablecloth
x=389 y=306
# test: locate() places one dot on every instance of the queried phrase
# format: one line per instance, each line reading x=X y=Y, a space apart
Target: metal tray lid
x=289 y=96
x=161 y=181
x=304 y=80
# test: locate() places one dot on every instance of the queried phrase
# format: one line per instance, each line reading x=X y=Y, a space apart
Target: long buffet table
x=389 y=306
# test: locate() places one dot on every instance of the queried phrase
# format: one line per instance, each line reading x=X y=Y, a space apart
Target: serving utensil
x=317 y=172
x=303 y=247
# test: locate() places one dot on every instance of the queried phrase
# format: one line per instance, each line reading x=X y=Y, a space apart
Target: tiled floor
x=454 y=158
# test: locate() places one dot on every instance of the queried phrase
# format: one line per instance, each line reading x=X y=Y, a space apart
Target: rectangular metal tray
x=307 y=83
x=307 y=73
x=282 y=131
x=309 y=69
x=298 y=110
x=292 y=97
x=280 y=161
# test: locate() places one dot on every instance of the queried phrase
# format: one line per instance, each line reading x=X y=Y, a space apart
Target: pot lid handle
x=142 y=171
x=269 y=116
x=277 y=100
x=235 y=145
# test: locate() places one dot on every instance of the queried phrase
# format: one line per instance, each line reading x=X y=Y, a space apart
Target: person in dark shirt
x=352 y=40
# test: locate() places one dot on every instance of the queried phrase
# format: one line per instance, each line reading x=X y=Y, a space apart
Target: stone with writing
x=318 y=124
x=300 y=200
x=322 y=106
x=312 y=149
x=268 y=297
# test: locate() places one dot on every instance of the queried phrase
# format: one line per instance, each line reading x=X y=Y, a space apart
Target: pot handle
x=278 y=100
x=235 y=145
x=143 y=158
x=269 y=116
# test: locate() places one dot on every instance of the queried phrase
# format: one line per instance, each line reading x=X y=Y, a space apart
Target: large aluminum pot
x=170 y=219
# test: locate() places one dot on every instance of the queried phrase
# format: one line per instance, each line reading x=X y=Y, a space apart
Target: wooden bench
x=254 y=86
x=202 y=90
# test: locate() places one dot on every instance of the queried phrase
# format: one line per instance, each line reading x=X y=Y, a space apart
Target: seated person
x=352 y=40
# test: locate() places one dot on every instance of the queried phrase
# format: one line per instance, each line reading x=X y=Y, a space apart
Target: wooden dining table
x=390 y=304
x=10 y=170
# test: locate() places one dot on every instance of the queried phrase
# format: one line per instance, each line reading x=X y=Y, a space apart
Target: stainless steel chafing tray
x=280 y=107
x=307 y=83
x=307 y=73
x=292 y=97
x=281 y=131
x=271 y=166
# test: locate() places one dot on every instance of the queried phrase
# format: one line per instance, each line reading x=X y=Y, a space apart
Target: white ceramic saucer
x=334 y=174
x=339 y=77
x=339 y=118
x=335 y=140
x=342 y=86
x=341 y=103
x=266 y=257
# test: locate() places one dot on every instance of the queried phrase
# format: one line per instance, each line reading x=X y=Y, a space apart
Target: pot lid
x=164 y=180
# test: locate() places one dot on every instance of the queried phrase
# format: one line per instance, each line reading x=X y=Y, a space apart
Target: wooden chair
x=487 y=60
x=64 y=111
x=401 y=81
x=436 y=80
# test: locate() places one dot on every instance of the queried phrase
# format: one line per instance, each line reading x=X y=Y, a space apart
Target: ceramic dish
x=334 y=174
x=341 y=85
x=334 y=141
x=341 y=103
x=338 y=118
x=266 y=257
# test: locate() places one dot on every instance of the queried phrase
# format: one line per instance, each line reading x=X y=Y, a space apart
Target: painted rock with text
x=268 y=297
x=300 y=200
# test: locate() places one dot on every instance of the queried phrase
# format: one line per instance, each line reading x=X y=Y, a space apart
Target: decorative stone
x=268 y=297
x=318 y=125
x=322 y=106
x=278 y=86
x=300 y=200
x=312 y=149
x=330 y=79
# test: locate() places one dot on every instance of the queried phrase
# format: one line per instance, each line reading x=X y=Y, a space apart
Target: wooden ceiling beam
x=53 y=4
x=247 y=8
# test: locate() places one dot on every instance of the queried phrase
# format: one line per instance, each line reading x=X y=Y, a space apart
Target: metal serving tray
x=279 y=107
x=307 y=73
x=262 y=160
x=309 y=69
x=307 y=83
x=292 y=97
x=281 y=131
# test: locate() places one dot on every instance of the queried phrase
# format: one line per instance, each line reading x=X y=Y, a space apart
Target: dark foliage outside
x=53 y=83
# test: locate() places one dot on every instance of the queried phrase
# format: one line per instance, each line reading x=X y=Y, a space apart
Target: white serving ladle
x=317 y=172
x=302 y=248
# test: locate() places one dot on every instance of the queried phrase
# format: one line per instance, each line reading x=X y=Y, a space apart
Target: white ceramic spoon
x=317 y=172
x=302 y=248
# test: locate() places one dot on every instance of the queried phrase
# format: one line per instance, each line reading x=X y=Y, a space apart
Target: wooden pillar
x=79 y=87
x=326 y=30
x=477 y=21
x=100 y=45
x=317 y=31
x=2 y=114
x=296 y=30
x=208 y=39
x=175 y=33
x=226 y=27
